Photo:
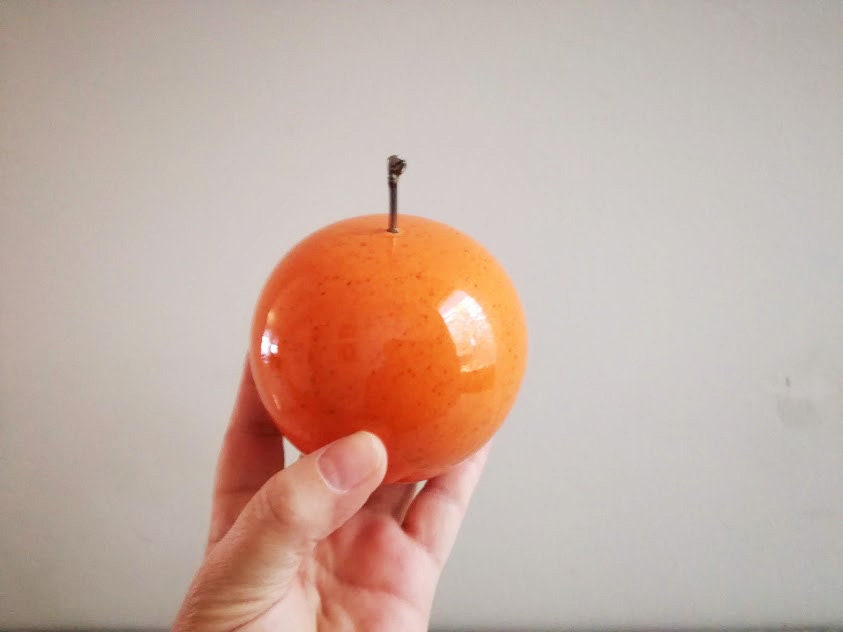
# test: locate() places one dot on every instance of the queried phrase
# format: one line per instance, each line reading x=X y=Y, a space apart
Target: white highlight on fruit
x=470 y=331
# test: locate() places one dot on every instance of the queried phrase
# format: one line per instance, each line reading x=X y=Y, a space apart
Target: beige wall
x=662 y=180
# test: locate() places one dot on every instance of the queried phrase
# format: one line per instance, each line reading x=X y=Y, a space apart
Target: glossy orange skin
x=417 y=336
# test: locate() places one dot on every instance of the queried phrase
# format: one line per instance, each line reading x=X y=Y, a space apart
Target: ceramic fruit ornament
x=408 y=329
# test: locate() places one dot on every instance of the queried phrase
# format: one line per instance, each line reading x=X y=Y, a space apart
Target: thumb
x=252 y=566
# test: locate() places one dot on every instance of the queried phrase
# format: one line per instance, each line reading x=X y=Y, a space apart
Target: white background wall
x=662 y=181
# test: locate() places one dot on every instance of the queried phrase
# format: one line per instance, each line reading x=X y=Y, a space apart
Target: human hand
x=320 y=545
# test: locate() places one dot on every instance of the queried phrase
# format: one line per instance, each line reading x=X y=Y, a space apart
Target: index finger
x=252 y=451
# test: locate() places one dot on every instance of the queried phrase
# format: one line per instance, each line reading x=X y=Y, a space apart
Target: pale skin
x=320 y=545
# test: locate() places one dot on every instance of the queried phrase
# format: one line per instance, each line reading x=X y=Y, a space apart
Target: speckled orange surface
x=418 y=337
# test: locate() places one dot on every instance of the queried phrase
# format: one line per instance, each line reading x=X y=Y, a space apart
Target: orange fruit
x=417 y=336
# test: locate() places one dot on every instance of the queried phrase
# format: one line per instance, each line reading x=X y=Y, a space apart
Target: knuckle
x=282 y=505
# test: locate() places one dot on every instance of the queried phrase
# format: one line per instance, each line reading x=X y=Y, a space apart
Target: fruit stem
x=395 y=167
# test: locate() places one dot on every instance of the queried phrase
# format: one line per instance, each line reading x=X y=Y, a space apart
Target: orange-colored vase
x=417 y=336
